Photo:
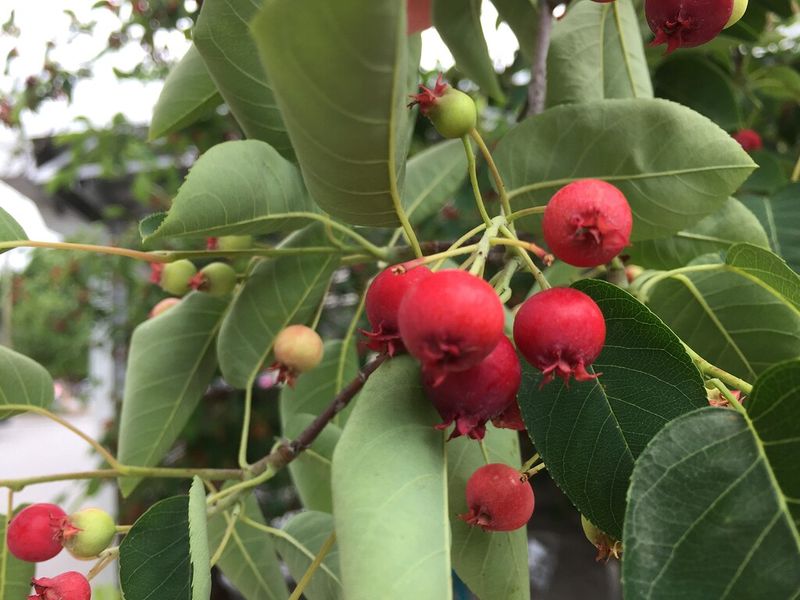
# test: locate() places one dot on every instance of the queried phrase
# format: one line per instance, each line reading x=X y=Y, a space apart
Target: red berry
x=67 y=586
x=472 y=397
x=384 y=295
x=587 y=223
x=686 y=23
x=419 y=15
x=450 y=321
x=510 y=418
x=498 y=499
x=34 y=535
x=749 y=139
x=560 y=331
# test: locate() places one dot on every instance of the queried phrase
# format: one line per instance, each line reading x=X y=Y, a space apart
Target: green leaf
x=222 y=36
x=673 y=165
x=707 y=516
x=249 y=560
x=776 y=81
x=459 y=24
x=493 y=564
x=198 y=542
x=742 y=315
x=596 y=53
x=389 y=492
x=346 y=114
x=188 y=95
x=432 y=178
x=311 y=470
x=170 y=364
x=590 y=433
x=307 y=533
x=236 y=188
x=154 y=556
x=780 y=217
x=730 y=224
x=770 y=177
x=10 y=230
x=701 y=85
x=15 y=574
x=278 y=292
x=23 y=381
x=522 y=17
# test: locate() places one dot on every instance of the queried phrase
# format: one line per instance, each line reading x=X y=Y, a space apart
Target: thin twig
x=537 y=89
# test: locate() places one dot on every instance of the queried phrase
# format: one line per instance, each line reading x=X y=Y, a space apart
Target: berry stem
x=715 y=372
x=473 y=179
x=796 y=171
x=498 y=180
x=112 y=250
x=485 y=452
x=531 y=266
x=460 y=241
x=534 y=210
x=231 y=520
x=124 y=470
x=312 y=568
x=485 y=245
x=248 y=409
x=529 y=463
x=528 y=473
x=106 y=558
x=727 y=394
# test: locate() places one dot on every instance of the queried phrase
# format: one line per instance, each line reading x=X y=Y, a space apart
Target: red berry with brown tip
x=35 y=534
x=686 y=23
x=472 y=397
x=450 y=321
x=560 y=331
x=587 y=223
x=498 y=499
x=382 y=304
x=67 y=586
x=510 y=418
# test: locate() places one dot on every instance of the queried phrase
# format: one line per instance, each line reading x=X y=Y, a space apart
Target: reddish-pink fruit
x=163 y=306
x=382 y=304
x=419 y=15
x=35 y=534
x=67 y=586
x=686 y=23
x=510 y=418
x=472 y=397
x=560 y=331
x=450 y=321
x=498 y=499
x=587 y=223
x=749 y=139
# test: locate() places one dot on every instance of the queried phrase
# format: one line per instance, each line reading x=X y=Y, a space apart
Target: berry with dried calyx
x=67 y=586
x=471 y=397
x=297 y=349
x=686 y=23
x=605 y=544
x=88 y=532
x=450 y=321
x=510 y=418
x=587 y=223
x=560 y=331
x=35 y=534
x=499 y=498
x=452 y=112
x=216 y=279
x=382 y=304
x=175 y=277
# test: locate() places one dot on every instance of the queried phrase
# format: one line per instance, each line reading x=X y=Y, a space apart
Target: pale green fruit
x=739 y=8
x=95 y=528
x=219 y=279
x=453 y=114
x=175 y=278
x=298 y=348
x=235 y=242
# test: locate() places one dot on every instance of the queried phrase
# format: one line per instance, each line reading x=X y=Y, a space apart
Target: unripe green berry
x=298 y=348
x=88 y=533
x=217 y=279
x=234 y=242
x=176 y=275
x=739 y=8
x=453 y=114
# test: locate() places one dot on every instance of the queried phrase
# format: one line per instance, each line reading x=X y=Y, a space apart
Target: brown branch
x=537 y=89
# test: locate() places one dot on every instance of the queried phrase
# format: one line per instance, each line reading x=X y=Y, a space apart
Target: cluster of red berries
x=40 y=531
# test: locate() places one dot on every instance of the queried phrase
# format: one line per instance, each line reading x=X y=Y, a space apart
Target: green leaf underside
x=222 y=36
x=278 y=292
x=235 y=188
x=309 y=530
x=154 y=558
x=10 y=230
x=346 y=112
x=731 y=224
x=433 y=176
x=23 y=381
x=170 y=364
x=780 y=217
x=389 y=483
x=198 y=542
x=494 y=565
x=15 y=574
x=596 y=53
x=590 y=434
x=706 y=516
x=459 y=24
x=673 y=165
x=742 y=315
x=188 y=95
x=249 y=560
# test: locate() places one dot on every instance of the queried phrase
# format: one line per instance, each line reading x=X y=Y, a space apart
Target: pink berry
x=587 y=223
x=382 y=304
x=472 y=397
x=67 y=586
x=560 y=331
x=498 y=499
x=510 y=418
x=686 y=23
x=749 y=139
x=35 y=534
x=450 y=321
x=163 y=306
x=297 y=349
